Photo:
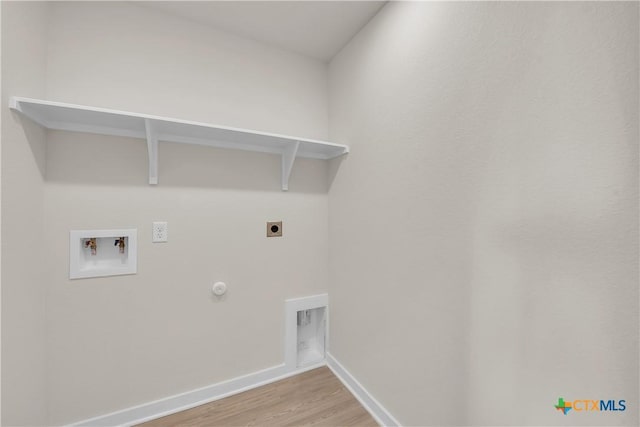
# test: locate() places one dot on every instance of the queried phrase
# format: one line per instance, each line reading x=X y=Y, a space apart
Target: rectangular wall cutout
x=100 y=253
x=306 y=331
x=311 y=339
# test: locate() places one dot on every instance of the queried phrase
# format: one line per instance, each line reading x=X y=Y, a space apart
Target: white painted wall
x=120 y=341
x=488 y=212
x=23 y=155
x=484 y=230
x=132 y=58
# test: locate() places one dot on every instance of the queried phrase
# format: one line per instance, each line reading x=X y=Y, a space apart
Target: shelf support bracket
x=152 y=149
x=288 y=157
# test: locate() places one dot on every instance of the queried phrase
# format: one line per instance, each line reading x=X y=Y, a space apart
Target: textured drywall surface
x=484 y=228
x=121 y=341
x=23 y=155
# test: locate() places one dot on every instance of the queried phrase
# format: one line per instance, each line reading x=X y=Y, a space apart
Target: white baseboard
x=183 y=401
x=377 y=411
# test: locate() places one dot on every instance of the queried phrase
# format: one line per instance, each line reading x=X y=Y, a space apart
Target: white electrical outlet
x=160 y=232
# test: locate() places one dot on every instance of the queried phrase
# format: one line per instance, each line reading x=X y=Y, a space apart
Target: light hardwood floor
x=315 y=398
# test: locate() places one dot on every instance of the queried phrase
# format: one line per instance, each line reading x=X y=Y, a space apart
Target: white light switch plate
x=160 y=232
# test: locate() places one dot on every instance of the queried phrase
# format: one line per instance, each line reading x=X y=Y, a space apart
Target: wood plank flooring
x=313 y=398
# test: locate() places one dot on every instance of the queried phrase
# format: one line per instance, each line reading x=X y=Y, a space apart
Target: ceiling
x=318 y=29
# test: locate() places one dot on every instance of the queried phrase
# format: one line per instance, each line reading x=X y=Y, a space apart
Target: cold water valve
x=120 y=242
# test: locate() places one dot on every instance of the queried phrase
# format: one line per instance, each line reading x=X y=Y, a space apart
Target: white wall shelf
x=78 y=118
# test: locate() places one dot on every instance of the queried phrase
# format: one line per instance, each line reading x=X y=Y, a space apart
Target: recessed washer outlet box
x=100 y=253
x=306 y=330
x=274 y=229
